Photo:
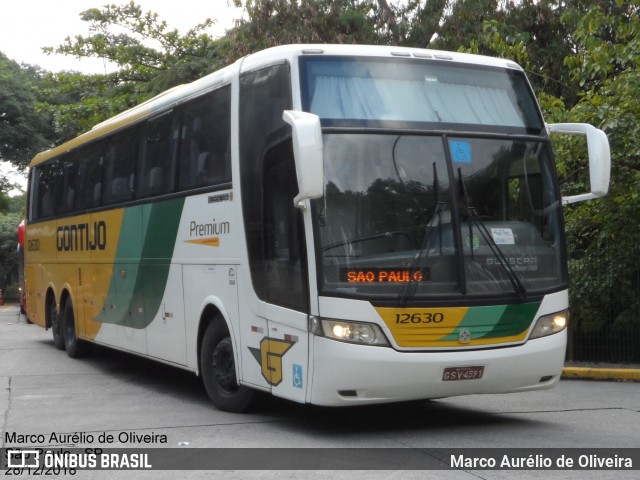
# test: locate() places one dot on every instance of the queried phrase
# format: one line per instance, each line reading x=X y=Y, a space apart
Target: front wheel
x=75 y=348
x=218 y=368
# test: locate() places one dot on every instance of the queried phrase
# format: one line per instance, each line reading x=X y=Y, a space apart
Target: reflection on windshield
x=398 y=219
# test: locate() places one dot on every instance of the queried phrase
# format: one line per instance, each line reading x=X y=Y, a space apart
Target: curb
x=586 y=373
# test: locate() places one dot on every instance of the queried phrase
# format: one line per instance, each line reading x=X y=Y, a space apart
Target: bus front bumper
x=348 y=374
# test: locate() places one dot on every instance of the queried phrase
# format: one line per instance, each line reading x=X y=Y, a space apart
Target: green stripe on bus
x=141 y=264
x=496 y=321
x=515 y=319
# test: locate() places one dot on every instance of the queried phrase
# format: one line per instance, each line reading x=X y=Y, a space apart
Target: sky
x=28 y=25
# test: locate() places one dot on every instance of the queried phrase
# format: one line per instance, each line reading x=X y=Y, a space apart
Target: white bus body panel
x=380 y=374
x=371 y=374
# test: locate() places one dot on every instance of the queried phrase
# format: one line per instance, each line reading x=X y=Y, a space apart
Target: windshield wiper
x=410 y=291
x=488 y=238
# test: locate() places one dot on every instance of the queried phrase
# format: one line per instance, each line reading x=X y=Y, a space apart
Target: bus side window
x=46 y=177
x=92 y=160
x=156 y=175
x=119 y=168
x=285 y=253
x=264 y=94
x=205 y=138
x=69 y=183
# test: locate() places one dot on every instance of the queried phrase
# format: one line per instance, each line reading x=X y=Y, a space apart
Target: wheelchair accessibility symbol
x=297 y=375
x=460 y=151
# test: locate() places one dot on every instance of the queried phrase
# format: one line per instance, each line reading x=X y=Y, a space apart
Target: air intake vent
x=347 y=393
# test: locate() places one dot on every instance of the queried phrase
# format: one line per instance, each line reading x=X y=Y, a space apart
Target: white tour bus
x=333 y=224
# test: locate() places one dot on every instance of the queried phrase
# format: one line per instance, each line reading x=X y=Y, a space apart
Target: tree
x=8 y=242
x=22 y=131
x=150 y=58
x=277 y=22
x=606 y=64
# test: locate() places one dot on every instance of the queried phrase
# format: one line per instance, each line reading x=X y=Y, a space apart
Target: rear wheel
x=56 y=324
x=75 y=347
x=219 y=371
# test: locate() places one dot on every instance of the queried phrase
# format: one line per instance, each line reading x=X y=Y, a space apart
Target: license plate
x=462 y=373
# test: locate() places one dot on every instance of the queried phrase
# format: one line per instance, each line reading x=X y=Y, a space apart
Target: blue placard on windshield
x=460 y=151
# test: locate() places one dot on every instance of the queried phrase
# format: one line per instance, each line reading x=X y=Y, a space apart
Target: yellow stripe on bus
x=414 y=327
x=76 y=260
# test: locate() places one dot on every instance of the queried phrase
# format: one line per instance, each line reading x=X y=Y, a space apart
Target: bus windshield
x=415 y=215
x=369 y=91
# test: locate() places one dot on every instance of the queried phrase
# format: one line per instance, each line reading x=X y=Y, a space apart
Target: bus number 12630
x=420 y=317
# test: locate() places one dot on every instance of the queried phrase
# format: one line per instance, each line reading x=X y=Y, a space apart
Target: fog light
x=550 y=324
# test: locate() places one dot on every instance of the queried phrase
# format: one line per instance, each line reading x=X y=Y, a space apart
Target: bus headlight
x=352 y=332
x=550 y=324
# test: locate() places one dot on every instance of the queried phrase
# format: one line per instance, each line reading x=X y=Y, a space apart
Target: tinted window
x=284 y=249
x=91 y=160
x=275 y=241
x=157 y=167
x=120 y=160
x=204 y=140
x=45 y=179
x=69 y=183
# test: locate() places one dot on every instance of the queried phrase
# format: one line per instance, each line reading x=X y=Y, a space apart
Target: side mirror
x=307 y=151
x=599 y=158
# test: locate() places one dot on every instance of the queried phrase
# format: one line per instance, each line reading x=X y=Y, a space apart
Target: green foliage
x=142 y=46
x=82 y=101
x=606 y=65
x=22 y=132
x=535 y=34
x=150 y=59
x=278 y=22
x=607 y=40
x=9 y=240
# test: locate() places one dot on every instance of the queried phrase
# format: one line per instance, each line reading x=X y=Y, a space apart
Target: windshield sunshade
x=360 y=90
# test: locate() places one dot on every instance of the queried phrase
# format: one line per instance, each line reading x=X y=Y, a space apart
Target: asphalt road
x=146 y=404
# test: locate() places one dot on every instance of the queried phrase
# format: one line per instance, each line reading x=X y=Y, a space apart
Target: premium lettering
x=203 y=229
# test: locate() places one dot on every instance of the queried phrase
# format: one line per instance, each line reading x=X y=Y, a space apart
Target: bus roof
x=292 y=51
x=181 y=93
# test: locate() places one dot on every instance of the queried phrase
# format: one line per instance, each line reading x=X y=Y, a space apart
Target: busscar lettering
x=82 y=237
x=529 y=262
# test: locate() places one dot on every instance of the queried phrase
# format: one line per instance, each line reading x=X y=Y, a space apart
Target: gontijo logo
x=269 y=356
x=82 y=236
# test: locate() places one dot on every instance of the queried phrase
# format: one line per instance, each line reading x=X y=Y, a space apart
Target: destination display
x=384 y=275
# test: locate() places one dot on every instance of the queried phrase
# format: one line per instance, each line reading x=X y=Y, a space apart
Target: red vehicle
x=22 y=291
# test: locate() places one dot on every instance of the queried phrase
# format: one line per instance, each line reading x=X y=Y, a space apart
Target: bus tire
x=218 y=369
x=56 y=325
x=75 y=347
